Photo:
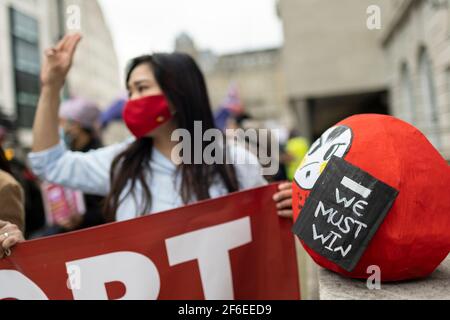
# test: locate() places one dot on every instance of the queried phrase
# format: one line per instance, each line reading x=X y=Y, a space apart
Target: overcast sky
x=142 y=26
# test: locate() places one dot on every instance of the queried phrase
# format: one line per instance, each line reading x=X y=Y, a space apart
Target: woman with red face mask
x=139 y=176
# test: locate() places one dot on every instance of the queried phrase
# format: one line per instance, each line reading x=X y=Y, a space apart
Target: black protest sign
x=344 y=210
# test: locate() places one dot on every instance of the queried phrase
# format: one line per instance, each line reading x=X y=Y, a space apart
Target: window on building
x=429 y=100
x=407 y=95
x=26 y=61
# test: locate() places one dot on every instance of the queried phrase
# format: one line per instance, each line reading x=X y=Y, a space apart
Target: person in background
x=79 y=131
x=139 y=176
x=14 y=153
x=34 y=206
x=234 y=124
x=296 y=149
x=12 y=213
x=79 y=121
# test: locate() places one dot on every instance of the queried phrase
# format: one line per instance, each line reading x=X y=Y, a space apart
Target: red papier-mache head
x=414 y=236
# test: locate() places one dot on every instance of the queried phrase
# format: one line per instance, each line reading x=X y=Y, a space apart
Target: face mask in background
x=66 y=137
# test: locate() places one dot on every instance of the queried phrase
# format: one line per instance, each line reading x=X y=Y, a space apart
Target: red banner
x=234 y=247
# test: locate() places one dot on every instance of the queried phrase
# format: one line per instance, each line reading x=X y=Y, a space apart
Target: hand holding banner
x=234 y=247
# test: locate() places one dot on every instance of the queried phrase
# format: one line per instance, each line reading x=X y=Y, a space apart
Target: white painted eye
x=335 y=141
x=307 y=176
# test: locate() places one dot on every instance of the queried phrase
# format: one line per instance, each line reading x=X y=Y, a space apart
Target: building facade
x=333 y=62
x=27 y=28
x=416 y=40
x=257 y=75
x=337 y=66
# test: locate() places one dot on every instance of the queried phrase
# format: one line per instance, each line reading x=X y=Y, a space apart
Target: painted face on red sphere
x=336 y=141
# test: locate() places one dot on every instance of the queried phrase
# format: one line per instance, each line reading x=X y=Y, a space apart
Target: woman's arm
x=87 y=172
x=57 y=63
x=50 y=159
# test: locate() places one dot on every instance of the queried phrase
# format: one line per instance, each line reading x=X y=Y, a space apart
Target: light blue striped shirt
x=89 y=172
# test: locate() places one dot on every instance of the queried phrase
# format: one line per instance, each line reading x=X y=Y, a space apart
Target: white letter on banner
x=15 y=285
x=210 y=247
x=137 y=272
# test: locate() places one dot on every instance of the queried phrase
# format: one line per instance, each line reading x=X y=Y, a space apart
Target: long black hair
x=184 y=86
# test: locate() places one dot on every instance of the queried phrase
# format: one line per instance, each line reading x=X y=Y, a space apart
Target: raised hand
x=58 y=61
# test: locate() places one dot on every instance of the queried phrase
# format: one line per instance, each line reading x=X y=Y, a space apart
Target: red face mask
x=144 y=115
